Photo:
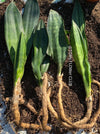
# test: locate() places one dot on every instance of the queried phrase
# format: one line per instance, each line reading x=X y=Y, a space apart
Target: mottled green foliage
x=30 y=20
x=40 y=43
x=18 y=31
x=58 y=43
x=79 y=46
x=78 y=18
x=20 y=58
x=13 y=29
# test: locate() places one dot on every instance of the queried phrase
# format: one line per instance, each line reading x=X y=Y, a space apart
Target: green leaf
x=58 y=43
x=13 y=29
x=45 y=64
x=40 y=44
x=78 y=18
x=78 y=15
x=30 y=20
x=19 y=37
x=20 y=58
x=79 y=47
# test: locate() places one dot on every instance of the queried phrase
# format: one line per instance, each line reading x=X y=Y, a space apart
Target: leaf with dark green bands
x=40 y=44
x=79 y=46
x=80 y=57
x=30 y=20
x=78 y=18
x=13 y=29
x=58 y=43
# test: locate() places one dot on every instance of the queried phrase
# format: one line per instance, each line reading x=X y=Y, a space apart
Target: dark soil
x=74 y=97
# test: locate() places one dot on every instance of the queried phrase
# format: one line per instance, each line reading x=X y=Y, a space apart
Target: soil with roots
x=74 y=96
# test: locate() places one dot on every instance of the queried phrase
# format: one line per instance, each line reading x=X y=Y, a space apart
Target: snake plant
x=80 y=55
x=40 y=64
x=79 y=46
x=40 y=60
x=18 y=35
x=58 y=50
x=58 y=43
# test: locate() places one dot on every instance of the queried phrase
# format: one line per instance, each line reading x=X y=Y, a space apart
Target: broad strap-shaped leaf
x=78 y=15
x=78 y=18
x=79 y=46
x=58 y=43
x=30 y=20
x=40 y=44
x=20 y=58
x=80 y=57
x=13 y=29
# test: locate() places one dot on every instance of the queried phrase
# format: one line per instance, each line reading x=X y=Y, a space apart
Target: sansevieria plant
x=58 y=51
x=18 y=33
x=80 y=55
x=25 y=31
x=40 y=64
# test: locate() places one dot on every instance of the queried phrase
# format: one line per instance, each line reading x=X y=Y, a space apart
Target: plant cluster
x=26 y=32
